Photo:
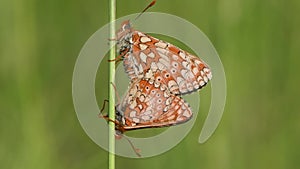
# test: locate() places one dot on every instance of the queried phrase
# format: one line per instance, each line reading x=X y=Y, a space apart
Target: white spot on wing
x=142 y=98
x=199 y=78
x=164 y=62
x=206 y=70
x=132 y=114
x=168 y=101
x=166 y=94
x=186 y=113
x=184 y=73
x=209 y=75
x=145 y=118
x=141 y=69
x=147 y=112
x=197 y=61
x=136 y=120
x=161 y=44
x=190 y=86
x=145 y=39
x=195 y=70
x=202 y=73
x=165 y=57
x=134 y=60
x=151 y=81
x=152 y=55
x=175 y=57
x=148 y=74
x=143 y=57
x=179 y=80
x=163 y=51
x=163 y=88
x=181 y=54
x=156 y=84
x=185 y=64
x=205 y=79
x=130 y=40
x=191 y=75
x=161 y=66
x=171 y=83
x=196 y=85
x=143 y=46
x=202 y=83
x=132 y=105
x=166 y=108
x=140 y=34
x=154 y=66
x=179 y=118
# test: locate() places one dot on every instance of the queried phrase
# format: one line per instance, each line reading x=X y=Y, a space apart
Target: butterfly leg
x=103 y=106
x=117 y=59
x=136 y=150
x=117 y=123
x=120 y=57
x=108 y=119
x=119 y=132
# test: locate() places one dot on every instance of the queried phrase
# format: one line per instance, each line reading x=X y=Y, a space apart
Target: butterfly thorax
x=120 y=118
x=119 y=114
x=124 y=44
x=124 y=37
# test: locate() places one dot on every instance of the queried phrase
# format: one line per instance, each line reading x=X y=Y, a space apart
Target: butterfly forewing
x=146 y=105
x=180 y=71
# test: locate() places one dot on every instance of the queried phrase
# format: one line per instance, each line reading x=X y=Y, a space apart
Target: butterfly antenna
x=136 y=150
x=151 y=4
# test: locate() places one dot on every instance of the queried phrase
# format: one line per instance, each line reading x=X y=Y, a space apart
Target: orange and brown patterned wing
x=181 y=71
x=146 y=105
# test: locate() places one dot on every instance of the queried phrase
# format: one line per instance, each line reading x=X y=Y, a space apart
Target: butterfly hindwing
x=146 y=105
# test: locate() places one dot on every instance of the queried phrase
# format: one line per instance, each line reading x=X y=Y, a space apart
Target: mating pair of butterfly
x=159 y=73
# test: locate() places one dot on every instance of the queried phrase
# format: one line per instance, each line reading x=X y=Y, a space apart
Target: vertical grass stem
x=112 y=54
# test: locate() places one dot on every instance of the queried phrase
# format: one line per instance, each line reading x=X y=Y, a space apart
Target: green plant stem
x=112 y=54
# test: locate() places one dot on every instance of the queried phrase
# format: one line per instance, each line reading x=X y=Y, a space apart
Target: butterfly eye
x=157 y=95
x=173 y=70
x=147 y=87
x=167 y=75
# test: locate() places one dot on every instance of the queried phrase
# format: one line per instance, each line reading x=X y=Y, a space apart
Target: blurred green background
x=258 y=43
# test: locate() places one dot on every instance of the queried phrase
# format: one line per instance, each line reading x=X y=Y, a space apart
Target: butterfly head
x=124 y=31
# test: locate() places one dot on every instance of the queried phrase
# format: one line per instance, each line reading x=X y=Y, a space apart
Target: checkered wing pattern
x=144 y=55
x=146 y=105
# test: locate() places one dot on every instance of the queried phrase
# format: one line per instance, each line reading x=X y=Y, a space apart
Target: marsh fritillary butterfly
x=144 y=55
